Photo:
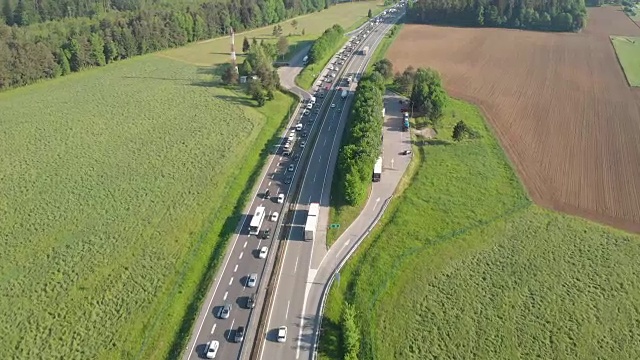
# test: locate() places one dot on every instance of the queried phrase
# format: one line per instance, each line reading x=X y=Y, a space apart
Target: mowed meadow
x=115 y=186
x=464 y=266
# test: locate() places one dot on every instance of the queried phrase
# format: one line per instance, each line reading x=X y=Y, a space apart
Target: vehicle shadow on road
x=201 y=350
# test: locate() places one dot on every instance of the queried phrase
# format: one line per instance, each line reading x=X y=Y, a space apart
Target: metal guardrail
x=327 y=286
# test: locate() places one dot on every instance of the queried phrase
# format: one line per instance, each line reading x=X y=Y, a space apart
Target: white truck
x=365 y=50
x=344 y=94
x=311 y=225
x=377 y=170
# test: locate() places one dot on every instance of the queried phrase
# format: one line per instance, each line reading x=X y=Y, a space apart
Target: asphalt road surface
x=241 y=259
x=295 y=304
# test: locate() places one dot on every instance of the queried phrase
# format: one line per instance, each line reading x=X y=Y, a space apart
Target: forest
x=548 y=15
x=42 y=39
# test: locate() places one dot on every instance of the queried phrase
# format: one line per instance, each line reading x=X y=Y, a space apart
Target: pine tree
x=7 y=12
x=370 y=14
x=63 y=62
x=245 y=45
x=20 y=16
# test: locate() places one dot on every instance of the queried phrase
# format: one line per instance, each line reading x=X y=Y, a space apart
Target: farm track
x=558 y=102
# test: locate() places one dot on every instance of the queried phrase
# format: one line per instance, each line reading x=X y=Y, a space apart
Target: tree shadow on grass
x=236 y=100
x=330 y=344
x=433 y=142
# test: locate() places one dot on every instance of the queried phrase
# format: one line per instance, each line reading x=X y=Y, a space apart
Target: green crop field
x=117 y=193
x=464 y=266
x=628 y=52
x=217 y=51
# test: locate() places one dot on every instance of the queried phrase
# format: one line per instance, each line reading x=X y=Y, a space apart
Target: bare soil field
x=558 y=102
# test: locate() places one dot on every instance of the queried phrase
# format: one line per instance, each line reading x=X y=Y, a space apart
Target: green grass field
x=216 y=51
x=628 y=52
x=117 y=195
x=463 y=265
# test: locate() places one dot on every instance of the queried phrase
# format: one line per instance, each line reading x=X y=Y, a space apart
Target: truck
x=311 y=225
x=377 y=170
x=405 y=122
x=305 y=60
x=344 y=94
x=365 y=50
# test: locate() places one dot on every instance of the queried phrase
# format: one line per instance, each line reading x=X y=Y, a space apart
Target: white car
x=263 y=252
x=252 y=279
x=333 y=106
x=212 y=349
x=274 y=216
x=280 y=198
x=282 y=334
x=309 y=106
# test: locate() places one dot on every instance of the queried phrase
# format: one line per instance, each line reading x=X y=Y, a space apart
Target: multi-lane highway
x=301 y=258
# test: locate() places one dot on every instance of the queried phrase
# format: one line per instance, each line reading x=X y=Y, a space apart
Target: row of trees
x=363 y=140
x=350 y=333
x=250 y=13
x=326 y=43
x=55 y=48
x=564 y=15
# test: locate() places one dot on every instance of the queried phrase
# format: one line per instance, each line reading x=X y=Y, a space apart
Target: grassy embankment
x=310 y=73
x=340 y=212
x=463 y=265
x=628 y=52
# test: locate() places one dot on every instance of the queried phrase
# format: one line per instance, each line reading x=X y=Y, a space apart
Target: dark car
x=239 y=334
x=304 y=134
x=288 y=180
x=265 y=233
x=296 y=157
x=251 y=301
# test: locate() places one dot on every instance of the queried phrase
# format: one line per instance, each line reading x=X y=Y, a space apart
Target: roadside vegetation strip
x=127 y=188
x=465 y=244
x=628 y=52
x=323 y=50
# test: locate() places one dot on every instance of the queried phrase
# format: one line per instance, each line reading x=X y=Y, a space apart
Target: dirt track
x=559 y=103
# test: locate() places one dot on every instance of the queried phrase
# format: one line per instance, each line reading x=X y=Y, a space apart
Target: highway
x=303 y=258
x=241 y=258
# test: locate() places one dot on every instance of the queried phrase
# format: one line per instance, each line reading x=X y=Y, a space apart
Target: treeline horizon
x=547 y=15
x=31 y=51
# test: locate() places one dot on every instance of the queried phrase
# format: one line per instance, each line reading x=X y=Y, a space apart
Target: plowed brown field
x=559 y=103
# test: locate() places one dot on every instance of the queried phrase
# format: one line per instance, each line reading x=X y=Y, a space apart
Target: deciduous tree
x=283 y=46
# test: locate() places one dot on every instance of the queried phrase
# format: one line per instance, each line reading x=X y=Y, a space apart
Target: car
x=291 y=167
x=299 y=126
x=339 y=109
x=288 y=180
x=267 y=193
x=251 y=301
x=292 y=135
x=309 y=106
x=252 y=279
x=303 y=143
x=274 y=216
x=239 y=334
x=212 y=349
x=263 y=252
x=280 y=198
x=287 y=146
x=266 y=233
x=304 y=134
x=333 y=106
x=282 y=334
x=307 y=112
x=224 y=311
x=406 y=152
x=286 y=153
x=296 y=157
